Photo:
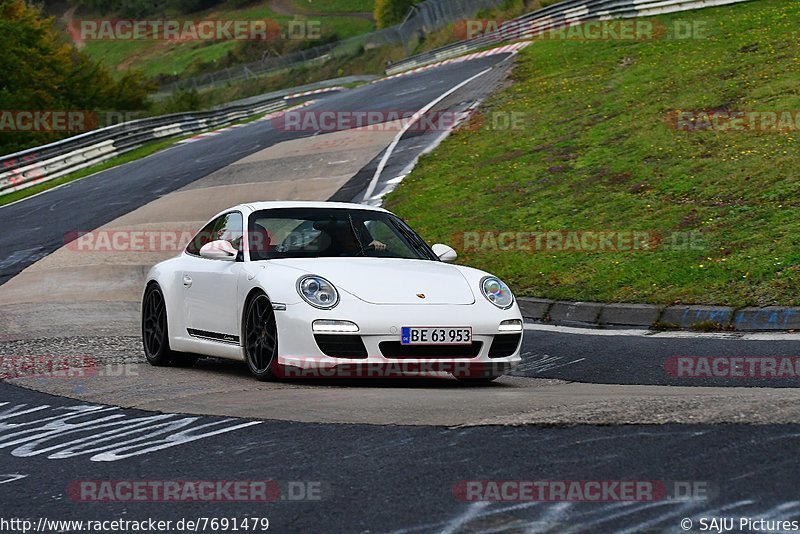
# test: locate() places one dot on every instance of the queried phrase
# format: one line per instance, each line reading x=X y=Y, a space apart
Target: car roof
x=258 y=206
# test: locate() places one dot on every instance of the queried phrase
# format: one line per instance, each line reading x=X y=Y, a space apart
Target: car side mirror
x=219 y=250
x=445 y=253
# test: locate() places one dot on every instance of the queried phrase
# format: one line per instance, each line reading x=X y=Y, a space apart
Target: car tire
x=260 y=338
x=155 y=333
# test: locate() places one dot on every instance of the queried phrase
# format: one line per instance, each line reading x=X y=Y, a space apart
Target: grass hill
x=165 y=60
x=596 y=149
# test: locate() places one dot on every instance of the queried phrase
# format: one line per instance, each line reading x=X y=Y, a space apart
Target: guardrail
x=422 y=18
x=41 y=164
x=563 y=14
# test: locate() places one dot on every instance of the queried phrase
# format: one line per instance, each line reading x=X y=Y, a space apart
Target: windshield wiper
x=412 y=239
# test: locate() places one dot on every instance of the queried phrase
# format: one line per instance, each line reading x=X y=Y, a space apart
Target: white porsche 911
x=339 y=289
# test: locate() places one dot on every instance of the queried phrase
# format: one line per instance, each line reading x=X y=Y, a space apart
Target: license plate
x=436 y=335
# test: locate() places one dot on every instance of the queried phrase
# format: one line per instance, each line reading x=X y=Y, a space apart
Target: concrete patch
x=575 y=312
x=535 y=308
x=768 y=318
x=688 y=316
x=111 y=283
x=629 y=314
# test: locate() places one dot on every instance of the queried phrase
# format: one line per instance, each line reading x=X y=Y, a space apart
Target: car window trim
x=406 y=233
x=239 y=256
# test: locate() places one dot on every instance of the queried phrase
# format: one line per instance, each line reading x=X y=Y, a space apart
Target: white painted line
x=744 y=336
x=5 y=479
x=410 y=91
x=471 y=513
x=115 y=435
x=315 y=92
x=513 y=48
x=414 y=119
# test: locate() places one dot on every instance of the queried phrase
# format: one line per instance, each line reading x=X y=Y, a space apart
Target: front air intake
x=504 y=345
x=394 y=349
x=341 y=346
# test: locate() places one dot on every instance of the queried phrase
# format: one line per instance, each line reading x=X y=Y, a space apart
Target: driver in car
x=345 y=241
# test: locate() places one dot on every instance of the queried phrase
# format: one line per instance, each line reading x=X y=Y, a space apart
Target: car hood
x=390 y=280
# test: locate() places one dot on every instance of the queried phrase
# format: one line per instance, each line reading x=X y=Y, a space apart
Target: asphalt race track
x=36 y=227
x=625 y=358
x=364 y=456
x=404 y=479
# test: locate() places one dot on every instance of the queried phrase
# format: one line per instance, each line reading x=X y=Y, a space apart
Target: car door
x=210 y=286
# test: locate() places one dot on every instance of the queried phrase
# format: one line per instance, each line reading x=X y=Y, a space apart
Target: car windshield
x=325 y=233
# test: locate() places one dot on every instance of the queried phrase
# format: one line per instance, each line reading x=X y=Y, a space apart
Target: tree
x=391 y=12
x=40 y=70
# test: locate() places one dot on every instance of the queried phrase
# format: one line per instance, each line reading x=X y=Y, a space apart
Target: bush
x=41 y=71
x=191 y=6
x=391 y=12
x=239 y=3
x=181 y=100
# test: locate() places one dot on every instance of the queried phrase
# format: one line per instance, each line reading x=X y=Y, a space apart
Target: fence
x=426 y=17
x=30 y=167
x=567 y=13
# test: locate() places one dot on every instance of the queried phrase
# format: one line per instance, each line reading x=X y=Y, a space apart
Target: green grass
x=344 y=27
x=114 y=53
x=595 y=153
x=133 y=155
x=348 y=60
x=169 y=58
x=335 y=6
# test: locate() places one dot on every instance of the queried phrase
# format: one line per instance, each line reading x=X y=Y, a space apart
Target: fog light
x=512 y=325
x=326 y=325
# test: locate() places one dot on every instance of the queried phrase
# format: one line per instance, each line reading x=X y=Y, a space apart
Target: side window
x=380 y=231
x=229 y=227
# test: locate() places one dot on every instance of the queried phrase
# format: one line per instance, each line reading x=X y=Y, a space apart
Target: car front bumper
x=302 y=354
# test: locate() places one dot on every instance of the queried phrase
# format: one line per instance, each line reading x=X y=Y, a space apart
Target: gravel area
x=41 y=357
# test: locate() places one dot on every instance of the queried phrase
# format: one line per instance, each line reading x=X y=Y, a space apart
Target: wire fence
x=423 y=18
x=560 y=15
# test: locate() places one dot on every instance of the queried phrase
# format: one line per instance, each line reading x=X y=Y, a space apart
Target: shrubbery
x=40 y=70
x=144 y=8
x=391 y=12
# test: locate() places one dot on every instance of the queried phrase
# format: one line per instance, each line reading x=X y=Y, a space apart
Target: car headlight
x=318 y=292
x=497 y=292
